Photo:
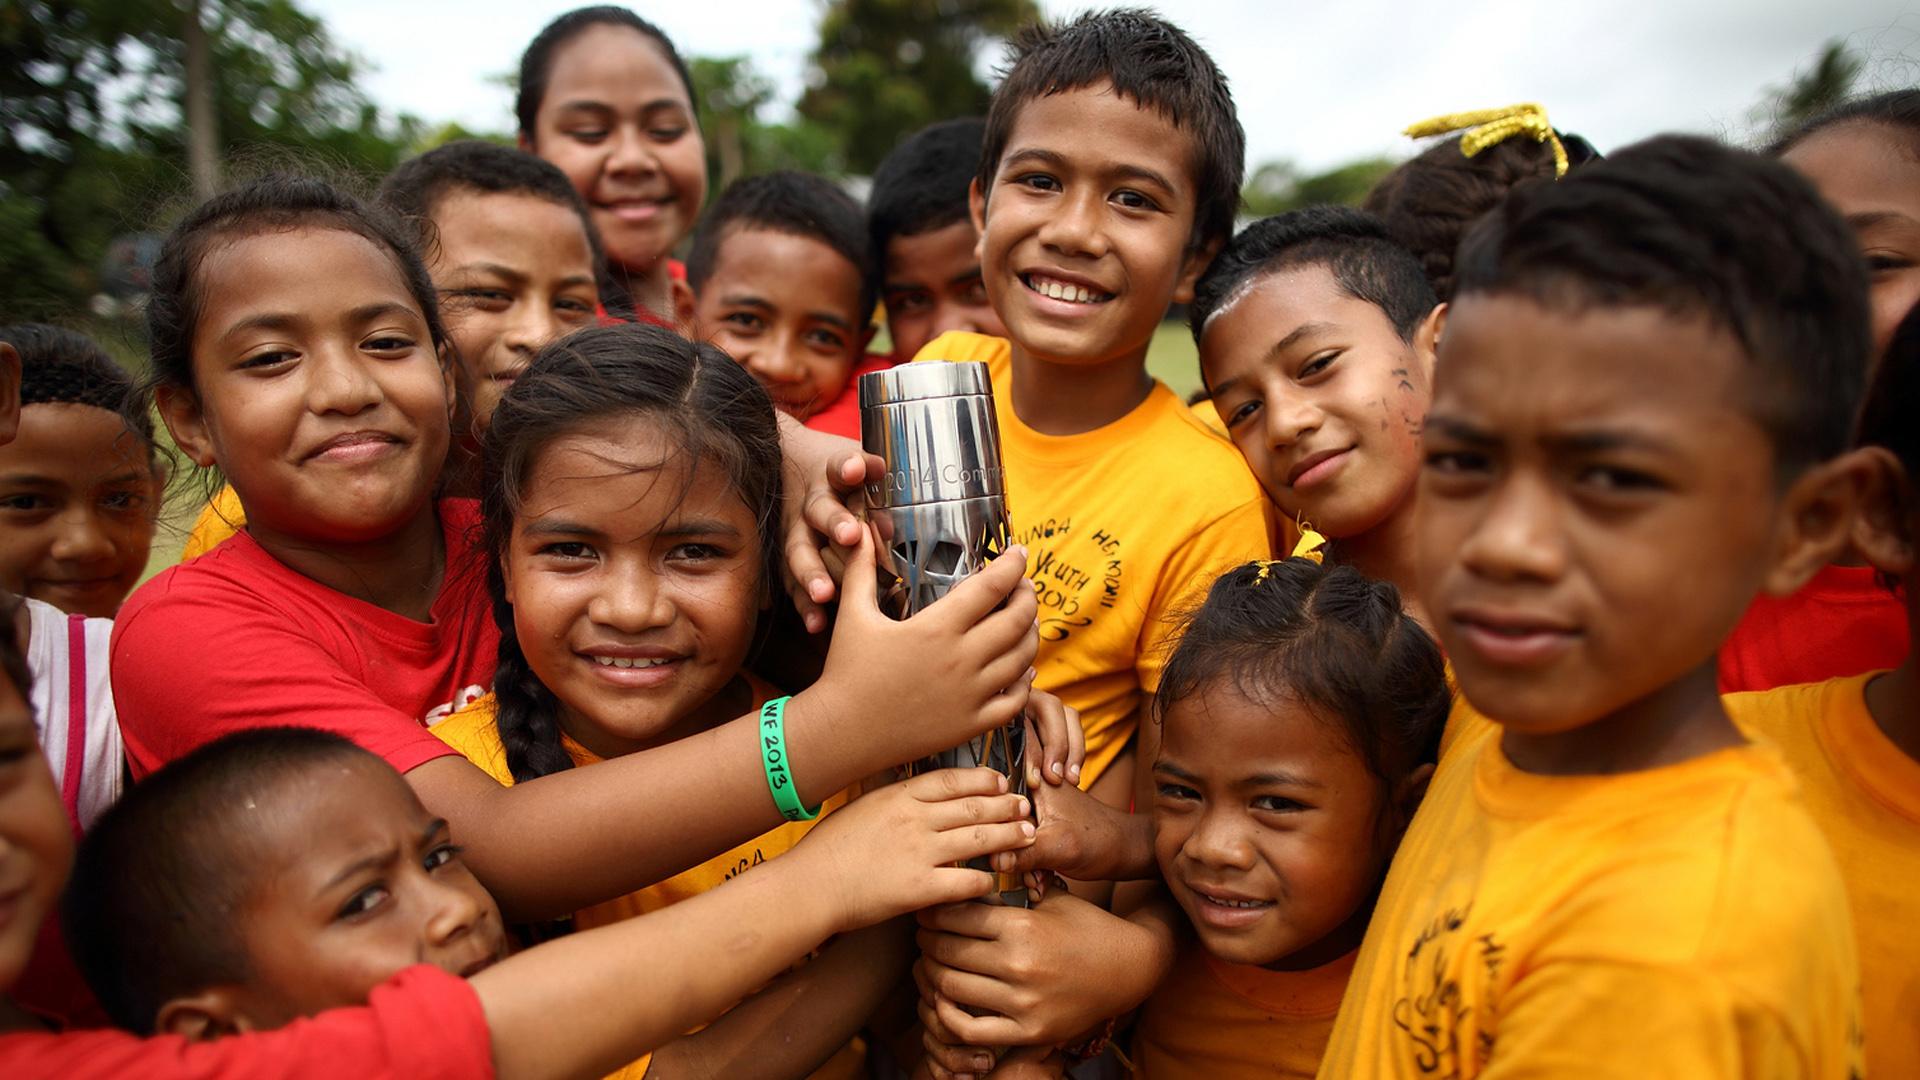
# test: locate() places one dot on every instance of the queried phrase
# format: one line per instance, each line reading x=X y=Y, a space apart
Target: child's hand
x=1040 y=975
x=1083 y=838
x=946 y=1058
x=1056 y=745
x=909 y=689
x=894 y=850
x=823 y=476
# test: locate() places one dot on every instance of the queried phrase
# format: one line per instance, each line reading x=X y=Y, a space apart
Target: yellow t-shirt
x=1209 y=416
x=1864 y=794
x=220 y=518
x=1124 y=526
x=472 y=731
x=1212 y=1020
x=1685 y=921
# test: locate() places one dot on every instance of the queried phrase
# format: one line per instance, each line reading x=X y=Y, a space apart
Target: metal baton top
x=933 y=425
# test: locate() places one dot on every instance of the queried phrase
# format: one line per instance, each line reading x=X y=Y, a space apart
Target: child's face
x=514 y=271
x=78 y=498
x=36 y=843
x=635 y=580
x=1267 y=828
x=356 y=882
x=1322 y=397
x=1086 y=230
x=326 y=408
x=617 y=120
x=933 y=286
x=788 y=309
x=1868 y=172
x=1597 y=506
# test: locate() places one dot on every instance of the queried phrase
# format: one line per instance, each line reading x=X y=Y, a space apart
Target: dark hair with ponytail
x=706 y=404
x=1895 y=110
x=536 y=64
x=1328 y=637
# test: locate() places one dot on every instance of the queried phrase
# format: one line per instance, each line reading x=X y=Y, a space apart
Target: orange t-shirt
x=1864 y=793
x=1212 y=1020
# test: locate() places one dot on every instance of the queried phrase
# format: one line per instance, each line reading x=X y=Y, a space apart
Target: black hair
x=150 y=910
x=709 y=406
x=274 y=202
x=1693 y=227
x=536 y=64
x=59 y=366
x=1430 y=201
x=921 y=185
x=1888 y=416
x=413 y=189
x=1329 y=638
x=1352 y=244
x=1896 y=109
x=796 y=203
x=1153 y=63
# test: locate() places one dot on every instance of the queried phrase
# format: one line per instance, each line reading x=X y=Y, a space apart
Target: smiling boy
x=1640 y=418
x=1109 y=177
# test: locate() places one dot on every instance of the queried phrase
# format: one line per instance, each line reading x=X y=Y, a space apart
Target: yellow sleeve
x=1610 y=1019
x=473 y=732
x=1209 y=414
x=1240 y=535
x=219 y=519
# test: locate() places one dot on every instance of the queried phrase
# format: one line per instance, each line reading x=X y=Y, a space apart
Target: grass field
x=1173 y=358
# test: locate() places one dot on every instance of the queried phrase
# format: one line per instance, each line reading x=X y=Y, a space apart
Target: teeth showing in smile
x=1061 y=290
x=628 y=662
x=1237 y=903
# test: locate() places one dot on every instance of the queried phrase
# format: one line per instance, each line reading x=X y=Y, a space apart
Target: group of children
x=522 y=705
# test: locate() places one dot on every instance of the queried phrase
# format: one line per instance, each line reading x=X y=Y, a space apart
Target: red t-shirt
x=235 y=640
x=421 y=1023
x=841 y=416
x=1841 y=623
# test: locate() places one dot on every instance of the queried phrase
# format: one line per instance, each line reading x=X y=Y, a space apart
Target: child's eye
x=566 y=549
x=1881 y=263
x=827 y=339
x=1457 y=462
x=1614 y=479
x=389 y=343
x=586 y=135
x=1242 y=412
x=1038 y=182
x=696 y=553
x=441 y=856
x=579 y=308
x=1133 y=200
x=270 y=359
x=911 y=301
x=1278 y=804
x=666 y=134
x=976 y=292
x=362 y=902
x=1178 y=792
x=484 y=299
x=123 y=501
x=743 y=320
x=24 y=503
x=1317 y=364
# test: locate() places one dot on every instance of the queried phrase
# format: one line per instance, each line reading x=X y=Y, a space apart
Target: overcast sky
x=1319 y=83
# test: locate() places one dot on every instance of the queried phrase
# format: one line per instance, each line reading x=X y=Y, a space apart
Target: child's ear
x=977 y=210
x=525 y=144
x=186 y=422
x=205 y=1016
x=1412 y=789
x=9 y=393
x=1197 y=261
x=682 y=298
x=1426 y=337
x=1821 y=509
x=1883 y=530
x=506 y=577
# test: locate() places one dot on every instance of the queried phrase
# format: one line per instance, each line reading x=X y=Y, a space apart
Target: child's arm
x=892 y=692
x=1083 y=838
x=790 y=1028
x=585 y=1004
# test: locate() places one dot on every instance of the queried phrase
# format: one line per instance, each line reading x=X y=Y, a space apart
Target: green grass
x=1173 y=358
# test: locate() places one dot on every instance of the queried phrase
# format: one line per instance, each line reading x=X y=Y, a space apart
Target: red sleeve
x=841 y=416
x=189 y=669
x=423 y=1023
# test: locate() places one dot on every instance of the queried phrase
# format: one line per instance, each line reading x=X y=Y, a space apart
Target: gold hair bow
x=1486 y=127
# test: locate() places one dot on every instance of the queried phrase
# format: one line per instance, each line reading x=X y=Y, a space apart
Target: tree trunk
x=203 y=136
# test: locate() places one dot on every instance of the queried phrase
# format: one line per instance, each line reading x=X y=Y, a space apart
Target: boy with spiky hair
x=1640 y=420
x=1109 y=175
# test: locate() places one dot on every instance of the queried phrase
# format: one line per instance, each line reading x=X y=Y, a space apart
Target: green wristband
x=773 y=754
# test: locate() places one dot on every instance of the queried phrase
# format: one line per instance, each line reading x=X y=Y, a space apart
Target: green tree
x=92 y=136
x=1278 y=186
x=885 y=68
x=1814 y=89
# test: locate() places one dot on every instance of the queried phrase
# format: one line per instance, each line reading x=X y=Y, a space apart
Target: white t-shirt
x=103 y=760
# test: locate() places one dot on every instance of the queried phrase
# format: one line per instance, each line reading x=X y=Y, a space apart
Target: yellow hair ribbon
x=1263 y=567
x=1485 y=127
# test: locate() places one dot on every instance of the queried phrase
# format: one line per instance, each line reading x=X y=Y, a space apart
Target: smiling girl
x=632 y=482
x=605 y=96
x=356 y=602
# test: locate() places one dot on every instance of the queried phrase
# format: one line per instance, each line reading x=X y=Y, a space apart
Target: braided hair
x=1329 y=637
x=65 y=367
x=710 y=406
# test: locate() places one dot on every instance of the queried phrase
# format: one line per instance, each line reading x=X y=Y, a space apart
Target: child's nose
x=776 y=362
x=454 y=911
x=81 y=538
x=1074 y=228
x=631 y=603
x=1218 y=842
x=632 y=154
x=1518 y=537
